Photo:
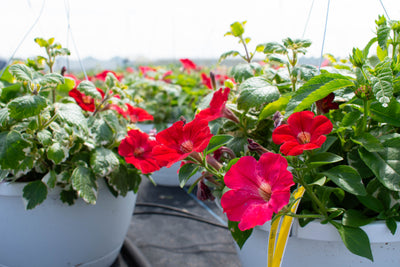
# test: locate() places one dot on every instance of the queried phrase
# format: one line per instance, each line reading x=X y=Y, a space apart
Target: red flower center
x=187 y=146
x=86 y=99
x=265 y=191
x=138 y=151
x=304 y=137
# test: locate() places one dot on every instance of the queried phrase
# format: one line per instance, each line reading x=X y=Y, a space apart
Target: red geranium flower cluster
x=302 y=132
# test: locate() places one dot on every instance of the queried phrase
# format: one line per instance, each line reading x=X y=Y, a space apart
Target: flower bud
x=203 y=191
x=364 y=92
x=229 y=83
x=278 y=119
x=256 y=147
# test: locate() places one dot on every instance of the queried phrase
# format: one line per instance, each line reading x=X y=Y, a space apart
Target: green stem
x=248 y=59
x=314 y=198
x=295 y=215
x=367 y=105
x=41 y=127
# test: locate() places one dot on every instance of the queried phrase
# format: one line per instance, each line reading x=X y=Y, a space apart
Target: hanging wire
x=323 y=40
x=67 y=11
x=24 y=37
x=384 y=9
x=308 y=19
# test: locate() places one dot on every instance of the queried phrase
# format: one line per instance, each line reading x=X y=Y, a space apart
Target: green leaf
x=72 y=114
x=382 y=82
x=369 y=142
x=26 y=106
x=323 y=158
x=242 y=72
x=3 y=116
x=84 y=182
x=41 y=42
x=89 y=89
x=355 y=218
x=103 y=161
x=350 y=118
x=185 y=172
x=57 y=153
x=34 y=193
x=45 y=137
x=392 y=225
x=68 y=196
x=225 y=55
x=389 y=114
x=50 y=179
x=275 y=48
x=314 y=85
x=51 y=80
x=102 y=132
x=371 y=203
x=322 y=92
x=124 y=180
x=216 y=142
x=13 y=149
x=356 y=240
x=237 y=28
x=383 y=32
x=385 y=165
x=275 y=106
x=67 y=86
x=255 y=92
x=21 y=72
x=346 y=178
x=239 y=236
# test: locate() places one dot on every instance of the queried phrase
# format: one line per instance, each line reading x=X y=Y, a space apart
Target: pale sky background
x=173 y=29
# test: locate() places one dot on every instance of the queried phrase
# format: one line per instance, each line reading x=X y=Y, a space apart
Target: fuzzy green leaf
x=89 y=89
x=103 y=161
x=255 y=92
x=237 y=28
x=68 y=85
x=57 y=153
x=84 y=182
x=72 y=114
x=26 y=106
x=34 y=193
x=242 y=72
x=12 y=150
x=225 y=55
x=21 y=72
x=3 y=116
x=275 y=48
x=346 y=178
x=51 y=80
x=383 y=32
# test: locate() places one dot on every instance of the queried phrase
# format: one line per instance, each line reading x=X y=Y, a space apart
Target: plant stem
x=314 y=198
x=248 y=59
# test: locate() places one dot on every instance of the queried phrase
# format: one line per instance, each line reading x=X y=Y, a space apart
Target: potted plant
x=67 y=196
x=291 y=141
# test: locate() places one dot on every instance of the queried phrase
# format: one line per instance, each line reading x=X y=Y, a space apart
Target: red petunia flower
x=135 y=114
x=325 y=104
x=145 y=69
x=136 y=148
x=218 y=107
x=258 y=189
x=84 y=101
x=102 y=75
x=205 y=80
x=302 y=132
x=188 y=64
x=181 y=140
x=166 y=75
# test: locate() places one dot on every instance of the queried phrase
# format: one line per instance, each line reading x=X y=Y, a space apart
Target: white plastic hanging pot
x=55 y=234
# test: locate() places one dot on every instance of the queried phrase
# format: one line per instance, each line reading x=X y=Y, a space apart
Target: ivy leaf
x=89 y=89
x=382 y=82
x=26 y=106
x=255 y=92
x=21 y=72
x=84 y=182
x=242 y=72
x=239 y=236
x=346 y=178
x=356 y=240
x=72 y=114
x=34 y=193
x=317 y=85
x=103 y=161
x=185 y=172
x=216 y=142
x=275 y=48
x=12 y=150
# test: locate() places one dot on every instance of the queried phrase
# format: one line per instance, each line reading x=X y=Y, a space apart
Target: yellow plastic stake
x=283 y=233
x=271 y=240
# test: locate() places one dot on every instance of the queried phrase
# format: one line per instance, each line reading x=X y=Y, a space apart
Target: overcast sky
x=176 y=29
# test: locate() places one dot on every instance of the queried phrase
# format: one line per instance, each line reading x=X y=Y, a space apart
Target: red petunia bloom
x=102 y=75
x=181 y=140
x=302 y=132
x=258 y=189
x=166 y=75
x=217 y=108
x=205 y=80
x=135 y=114
x=325 y=104
x=188 y=64
x=136 y=148
x=145 y=69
